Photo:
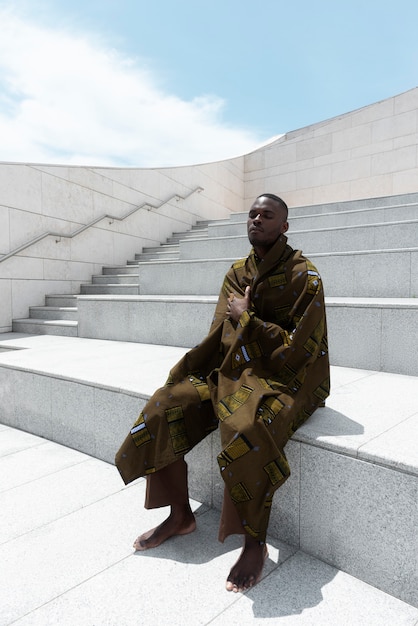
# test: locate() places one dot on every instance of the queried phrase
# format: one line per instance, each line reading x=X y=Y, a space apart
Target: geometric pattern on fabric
x=312 y=344
x=139 y=431
x=277 y=470
x=277 y=280
x=296 y=385
x=229 y=404
x=287 y=374
x=240 y=493
x=236 y=449
x=270 y=383
x=270 y=408
x=200 y=385
x=237 y=265
x=313 y=278
x=281 y=314
x=177 y=428
x=266 y=383
x=245 y=354
x=322 y=391
x=250 y=531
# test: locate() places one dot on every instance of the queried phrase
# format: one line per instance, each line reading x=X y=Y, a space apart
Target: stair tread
x=44 y=322
x=295 y=231
x=351 y=388
x=114 y=275
x=340 y=300
x=54 y=308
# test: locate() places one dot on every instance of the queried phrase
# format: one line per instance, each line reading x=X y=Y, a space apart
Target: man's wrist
x=245 y=318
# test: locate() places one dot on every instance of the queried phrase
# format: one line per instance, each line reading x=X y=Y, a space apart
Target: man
x=259 y=374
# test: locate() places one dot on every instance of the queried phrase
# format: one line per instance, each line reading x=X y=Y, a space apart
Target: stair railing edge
x=51 y=233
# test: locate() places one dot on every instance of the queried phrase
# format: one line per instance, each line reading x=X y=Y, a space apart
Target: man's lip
x=256 y=228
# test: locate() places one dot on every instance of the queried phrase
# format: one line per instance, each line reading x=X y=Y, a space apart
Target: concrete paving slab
x=71 y=561
x=306 y=592
x=29 y=506
x=12 y=440
x=179 y=568
x=34 y=462
x=41 y=565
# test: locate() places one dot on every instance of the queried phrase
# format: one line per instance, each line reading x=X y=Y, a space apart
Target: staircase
x=366 y=251
x=59 y=316
x=352 y=498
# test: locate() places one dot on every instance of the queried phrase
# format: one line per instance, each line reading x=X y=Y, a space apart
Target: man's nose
x=257 y=217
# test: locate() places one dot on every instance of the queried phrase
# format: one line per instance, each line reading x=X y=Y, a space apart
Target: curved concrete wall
x=370 y=152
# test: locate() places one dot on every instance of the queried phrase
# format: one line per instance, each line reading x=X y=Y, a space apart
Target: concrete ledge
x=351 y=274
x=351 y=499
x=361 y=330
x=343 y=239
x=146 y=319
x=374 y=333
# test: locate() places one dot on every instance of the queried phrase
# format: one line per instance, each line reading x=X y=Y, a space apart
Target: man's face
x=266 y=222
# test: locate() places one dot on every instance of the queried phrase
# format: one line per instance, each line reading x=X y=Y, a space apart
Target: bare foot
x=181 y=521
x=247 y=570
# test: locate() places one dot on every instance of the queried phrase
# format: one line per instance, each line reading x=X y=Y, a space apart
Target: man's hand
x=237 y=306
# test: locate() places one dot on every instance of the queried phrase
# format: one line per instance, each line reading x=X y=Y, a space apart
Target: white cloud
x=66 y=98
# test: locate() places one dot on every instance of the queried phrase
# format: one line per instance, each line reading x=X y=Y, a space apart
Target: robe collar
x=278 y=253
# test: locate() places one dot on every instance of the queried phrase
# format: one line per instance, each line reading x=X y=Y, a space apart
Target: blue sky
x=157 y=82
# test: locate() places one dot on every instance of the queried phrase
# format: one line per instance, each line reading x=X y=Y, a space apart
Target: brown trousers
x=170 y=486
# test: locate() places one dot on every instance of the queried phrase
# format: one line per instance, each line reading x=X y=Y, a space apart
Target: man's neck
x=261 y=252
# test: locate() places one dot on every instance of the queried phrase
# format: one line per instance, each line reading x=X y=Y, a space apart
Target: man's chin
x=255 y=241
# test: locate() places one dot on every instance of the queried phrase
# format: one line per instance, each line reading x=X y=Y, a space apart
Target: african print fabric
x=258 y=380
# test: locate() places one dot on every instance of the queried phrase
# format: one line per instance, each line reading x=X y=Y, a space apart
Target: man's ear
x=285 y=227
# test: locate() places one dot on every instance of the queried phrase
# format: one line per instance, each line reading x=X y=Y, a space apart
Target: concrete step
x=111 y=288
x=68 y=299
x=159 y=254
x=105 y=279
x=352 y=217
x=362 y=203
x=64 y=328
x=356 y=274
x=391 y=235
x=53 y=312
x=194 y=233
x=165 y=247
x=351 y=498
x=347 y=205
x=361 y=330
x=130 y=268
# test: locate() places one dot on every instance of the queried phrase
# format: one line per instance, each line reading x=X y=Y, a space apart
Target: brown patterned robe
x=258 y=380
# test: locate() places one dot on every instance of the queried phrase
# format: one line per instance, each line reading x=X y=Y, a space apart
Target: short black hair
x=279 y=201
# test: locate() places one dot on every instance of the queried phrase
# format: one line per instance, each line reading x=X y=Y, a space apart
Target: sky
x=155 y=83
